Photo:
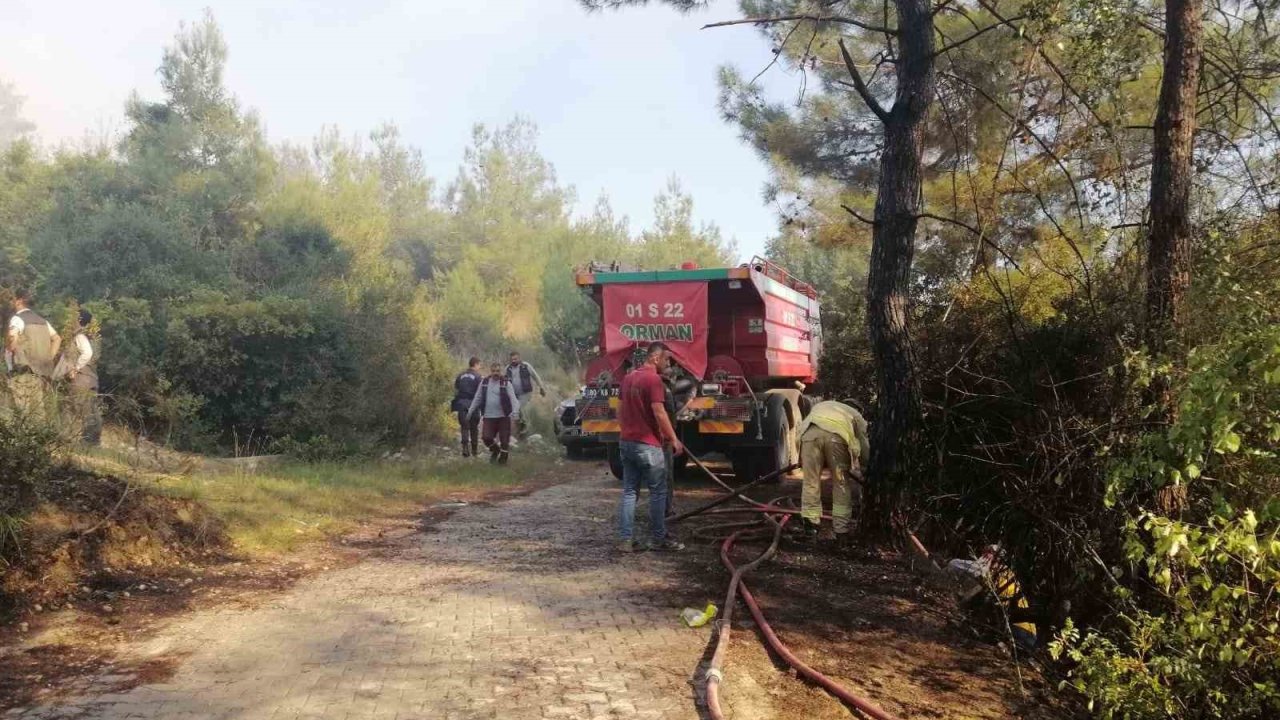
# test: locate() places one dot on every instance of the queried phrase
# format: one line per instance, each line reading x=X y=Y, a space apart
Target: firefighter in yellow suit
x=832 y=437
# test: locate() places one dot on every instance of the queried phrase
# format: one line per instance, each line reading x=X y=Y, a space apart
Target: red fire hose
x=715 y=672
x=855 y=701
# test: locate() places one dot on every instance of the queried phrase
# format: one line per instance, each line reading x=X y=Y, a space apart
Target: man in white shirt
x=79 y=365
x=497 y=405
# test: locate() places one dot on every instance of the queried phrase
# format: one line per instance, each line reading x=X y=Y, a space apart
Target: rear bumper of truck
x=718 y=417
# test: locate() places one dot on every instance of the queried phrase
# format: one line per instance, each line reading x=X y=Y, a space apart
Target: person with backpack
x=496 y=403
x=464 y=391
x=522 y=377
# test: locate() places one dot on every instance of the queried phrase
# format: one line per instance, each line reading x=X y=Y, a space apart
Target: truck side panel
x=790 y=324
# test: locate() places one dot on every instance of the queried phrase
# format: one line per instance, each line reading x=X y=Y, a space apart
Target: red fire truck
x=746 y=342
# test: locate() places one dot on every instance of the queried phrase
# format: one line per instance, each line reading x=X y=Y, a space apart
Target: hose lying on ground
x=723 y=628
x=861 y=704
x=778 y=517
x=733 y=492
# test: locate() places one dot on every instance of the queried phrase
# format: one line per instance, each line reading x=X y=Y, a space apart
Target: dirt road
x=518 y=610
x=522 y=609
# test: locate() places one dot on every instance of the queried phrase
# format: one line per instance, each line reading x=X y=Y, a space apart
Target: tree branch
x=837 y=19
x=948 y=48
x=1044 y=145
x=981 y=236
x=778 y=55
x=854 y=213
x=952 y=221
x=861 y=87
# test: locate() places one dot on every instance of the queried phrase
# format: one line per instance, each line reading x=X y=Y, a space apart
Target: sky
x=623 y=99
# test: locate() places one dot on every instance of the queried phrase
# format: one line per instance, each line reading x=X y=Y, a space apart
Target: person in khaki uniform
x=31 y=352
x=832 y=437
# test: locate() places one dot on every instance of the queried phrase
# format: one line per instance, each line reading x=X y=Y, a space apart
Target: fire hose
x=777 y=517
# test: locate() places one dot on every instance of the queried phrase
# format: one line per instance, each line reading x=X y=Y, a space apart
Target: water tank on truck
x=745 y=340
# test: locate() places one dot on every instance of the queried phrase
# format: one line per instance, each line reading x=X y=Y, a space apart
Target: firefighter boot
x=806 y=533
x=493 y=453
x=810 y=532
x=503 y=456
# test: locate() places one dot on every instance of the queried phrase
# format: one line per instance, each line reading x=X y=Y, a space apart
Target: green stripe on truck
x=662 y=276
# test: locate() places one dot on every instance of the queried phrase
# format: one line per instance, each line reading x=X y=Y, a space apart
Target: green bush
x=1198 y=630
x=318 y=449
x=27 y=445
x=1212 y=649
x=252 y=362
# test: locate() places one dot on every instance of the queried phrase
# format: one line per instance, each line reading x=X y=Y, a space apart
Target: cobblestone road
x=518 y=610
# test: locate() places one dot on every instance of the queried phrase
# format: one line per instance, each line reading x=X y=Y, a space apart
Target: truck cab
x=745 y=340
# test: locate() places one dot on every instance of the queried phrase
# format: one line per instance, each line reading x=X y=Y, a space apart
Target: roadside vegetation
x=309 y=300
x=132 y=509
x=279 y=507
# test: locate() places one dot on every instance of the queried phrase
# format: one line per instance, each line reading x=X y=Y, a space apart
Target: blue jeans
x=643 y=464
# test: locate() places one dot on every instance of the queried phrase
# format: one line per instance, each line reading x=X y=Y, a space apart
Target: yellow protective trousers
x=821 y=449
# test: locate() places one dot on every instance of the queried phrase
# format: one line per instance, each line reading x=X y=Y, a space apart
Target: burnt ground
x=867 y=619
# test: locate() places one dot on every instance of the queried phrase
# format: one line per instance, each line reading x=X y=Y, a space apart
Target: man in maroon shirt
x=642 y=413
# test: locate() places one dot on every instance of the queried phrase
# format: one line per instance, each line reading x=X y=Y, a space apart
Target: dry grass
x=276 y=505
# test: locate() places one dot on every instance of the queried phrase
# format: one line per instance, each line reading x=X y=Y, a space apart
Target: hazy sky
x=623 y=99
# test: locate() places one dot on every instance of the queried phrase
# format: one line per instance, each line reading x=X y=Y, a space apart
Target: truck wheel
x=615 y=460
x=776 y=457
x=778 y=431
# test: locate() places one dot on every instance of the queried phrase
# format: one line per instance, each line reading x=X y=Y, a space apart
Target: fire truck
x=745 y=341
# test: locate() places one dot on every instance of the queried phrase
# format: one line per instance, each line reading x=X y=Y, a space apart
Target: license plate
x=600 y=392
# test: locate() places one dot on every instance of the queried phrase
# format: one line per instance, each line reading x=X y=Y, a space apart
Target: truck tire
x=615 y=460
x=774 y=458
x=777 y=454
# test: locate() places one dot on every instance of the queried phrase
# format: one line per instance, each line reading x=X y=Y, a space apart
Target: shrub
x=1212 y=649
x=252 y=361
x=1198 y=632
x=27 y=444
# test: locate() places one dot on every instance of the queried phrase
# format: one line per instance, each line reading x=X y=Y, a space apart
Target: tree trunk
x=889 y=278
x=1169 y=244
